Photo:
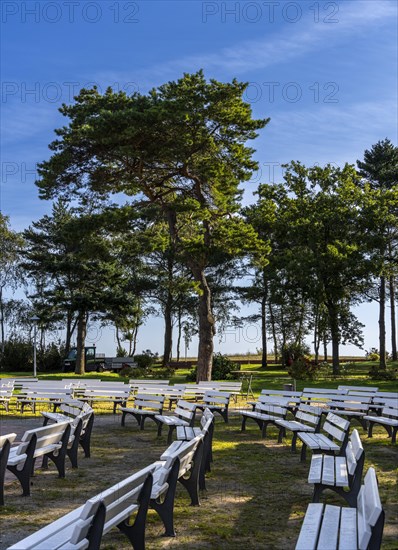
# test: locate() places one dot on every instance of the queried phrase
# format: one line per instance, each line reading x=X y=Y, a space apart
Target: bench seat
x=341 y=474
x=360 y=528
x=334 y=427
x=184 y=415
x=264 y=414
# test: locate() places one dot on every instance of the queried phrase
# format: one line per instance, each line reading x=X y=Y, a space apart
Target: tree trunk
x=168 y=331
x=179 y=334
x=325 y=349
x=271 y=313
x=394 y=354
x=70 y=329
x=334 y=329
x=134 y=340
x=206 y=329
x=317 y=340
x=382 y=323
x=264 y=331
x=2 y=322
x=80 y=342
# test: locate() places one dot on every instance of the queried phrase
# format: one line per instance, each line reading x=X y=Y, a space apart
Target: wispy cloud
x=275 y=48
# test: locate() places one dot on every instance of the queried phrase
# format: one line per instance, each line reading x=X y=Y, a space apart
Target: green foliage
x=18 y=356
x=146 y=359
x=377 y=373
x=222 y=369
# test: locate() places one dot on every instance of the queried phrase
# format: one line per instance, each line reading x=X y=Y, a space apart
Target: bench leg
x=136 y=532
x=97 y=526
x=72 y=452
x=303 y=452
x=282 y=434
x=4 y=454
x=124 y=413
x=170 y=434
x=165 y=508
x=243 y=427
x=24 y=474
x=224 y=414
x=160 y=426
x=294 y=442
x=370 y=429
x=59 y=456
x=394 y=434
x=191 y=483
x=85 y=439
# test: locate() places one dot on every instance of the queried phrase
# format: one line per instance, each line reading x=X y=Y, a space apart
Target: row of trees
x=147 y=218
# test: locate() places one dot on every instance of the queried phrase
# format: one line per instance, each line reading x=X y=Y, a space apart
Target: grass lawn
x=256 y=494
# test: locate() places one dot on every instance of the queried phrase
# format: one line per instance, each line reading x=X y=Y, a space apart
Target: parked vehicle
x=96 y=362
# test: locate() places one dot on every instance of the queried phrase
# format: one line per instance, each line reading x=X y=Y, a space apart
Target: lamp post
x=35 y=319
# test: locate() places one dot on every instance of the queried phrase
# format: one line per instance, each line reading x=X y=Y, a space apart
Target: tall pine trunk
x=80 y=342
x=394 y=354
x=382 y=323
x=335 y=333
x=168 y=330
x=271 y=314
x=206 y=328
x=179 y=333
x=2 y=329
x=264 y=331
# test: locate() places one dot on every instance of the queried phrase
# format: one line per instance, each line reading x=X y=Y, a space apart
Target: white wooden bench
x=115 y=395
x=5 y=445
x=184 y=415
x=85 y=526
x=294 y=397
x=135 y=384
x=216 y=401
x=366 y=389
x=6 y=394
x=48 y=440
x=353 y=407
x=265 y=414
x=171 y=393
x=334 y=427
x=81 y=417
x=233 y=388
x=341 y=474
x=359 y=528
x=318 y=396
x=388 y=419
x=180 y=462
x=145 y=406
x=47 y=392
x=307 y=419
x=207 y=429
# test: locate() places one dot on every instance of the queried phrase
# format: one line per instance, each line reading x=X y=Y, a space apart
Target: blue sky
x=325 y=72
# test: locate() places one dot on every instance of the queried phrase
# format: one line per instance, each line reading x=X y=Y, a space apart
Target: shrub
x=18 y=356
x=222 y=368
x=303 y=368
x=376 y=373
x=292 y=352
x=146 y=359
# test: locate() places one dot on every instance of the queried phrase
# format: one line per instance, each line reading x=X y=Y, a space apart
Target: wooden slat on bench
x=310 y=529
x=348 y=529
x=330 y=528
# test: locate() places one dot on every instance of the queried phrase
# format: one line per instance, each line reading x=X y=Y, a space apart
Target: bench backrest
x=274 y=399
x=309 y=414
x=148 y=382
x=358 y=388
x=185 y=455
x=336 y=426
x=370 y=516
x=7 y=437
x=148 y=401
x=353 y=452
x=46 y=435
x=390 y=410
x=212 y=397
x=185 y=410
x=271 y=409
x=121 y=498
